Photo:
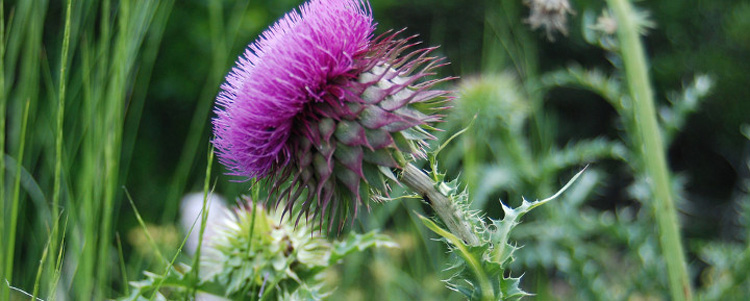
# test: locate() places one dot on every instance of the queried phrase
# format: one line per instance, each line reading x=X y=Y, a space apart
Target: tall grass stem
x=4 y=290
x=59 y=126
x=652 y=147
x=15 y=200
x=204 y=215
x=123 y=55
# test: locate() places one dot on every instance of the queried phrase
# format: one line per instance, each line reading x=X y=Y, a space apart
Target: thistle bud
x=552 y=14
x=251 y=249
x=254 y=255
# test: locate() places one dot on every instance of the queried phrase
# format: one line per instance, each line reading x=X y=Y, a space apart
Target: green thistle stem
x=652 y=147
x=422 y=184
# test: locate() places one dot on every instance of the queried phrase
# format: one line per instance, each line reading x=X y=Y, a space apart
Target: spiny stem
x=443 y=206
x=652 y=147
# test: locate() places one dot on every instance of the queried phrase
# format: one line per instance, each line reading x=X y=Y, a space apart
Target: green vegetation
x=105 y=111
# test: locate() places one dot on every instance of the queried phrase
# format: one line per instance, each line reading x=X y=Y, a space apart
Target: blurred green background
x=705 y=37
x=176 y=54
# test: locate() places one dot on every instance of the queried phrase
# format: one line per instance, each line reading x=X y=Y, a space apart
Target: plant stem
x=204 y=217
x=4 y=290
x=443 y=206
x=57 y=177
x=15 y=200
x=652 y=148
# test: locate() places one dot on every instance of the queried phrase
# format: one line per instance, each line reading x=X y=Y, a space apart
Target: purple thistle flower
x=323 y=110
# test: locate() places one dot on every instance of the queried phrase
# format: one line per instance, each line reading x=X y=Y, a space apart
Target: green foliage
x=727 y=276
x=562 y=241
x=478 y=270
x=253 y=255
x=138 y=90
x=561 y=238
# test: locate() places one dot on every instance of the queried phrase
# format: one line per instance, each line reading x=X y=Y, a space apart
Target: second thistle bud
x=550 y=14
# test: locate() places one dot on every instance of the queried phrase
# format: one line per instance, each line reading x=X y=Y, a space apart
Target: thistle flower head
x=322 y=109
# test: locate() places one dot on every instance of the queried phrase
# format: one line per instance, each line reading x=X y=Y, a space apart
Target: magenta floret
x=293 y=62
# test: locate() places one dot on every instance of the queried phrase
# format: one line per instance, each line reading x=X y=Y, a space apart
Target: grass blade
x=11 y=241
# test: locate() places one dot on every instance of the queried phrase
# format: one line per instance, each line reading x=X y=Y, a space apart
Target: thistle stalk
x=445 y=209
x=652 y=148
